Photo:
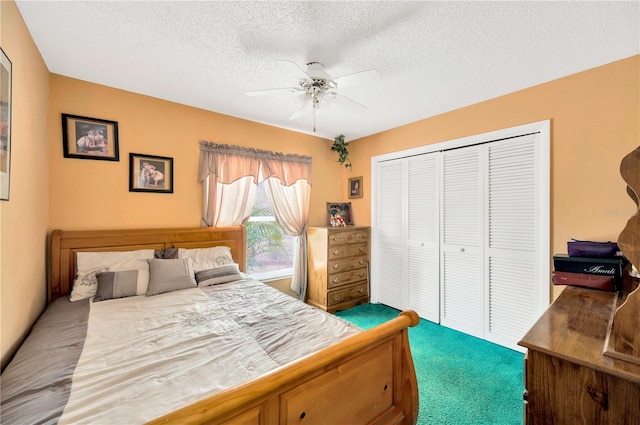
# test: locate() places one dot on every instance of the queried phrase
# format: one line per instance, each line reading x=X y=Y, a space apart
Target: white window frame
x=274 y=274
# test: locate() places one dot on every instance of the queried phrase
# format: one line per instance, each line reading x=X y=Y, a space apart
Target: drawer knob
x=336 y=266
x=361 y=249
x=361 y=290
x=336 y=297
x=336 y=252
x=361 y=261
x=361 y=275
x=336 y=280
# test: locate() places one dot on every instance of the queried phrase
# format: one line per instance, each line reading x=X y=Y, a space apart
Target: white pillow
x=86 y=284
x=91 y=262
x=207 y=258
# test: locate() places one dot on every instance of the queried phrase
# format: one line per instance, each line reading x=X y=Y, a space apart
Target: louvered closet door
x=461 y=260
x=389 y=264
x=511 y=246
x=423 y=244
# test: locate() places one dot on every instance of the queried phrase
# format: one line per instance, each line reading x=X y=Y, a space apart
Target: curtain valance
x=230 y=163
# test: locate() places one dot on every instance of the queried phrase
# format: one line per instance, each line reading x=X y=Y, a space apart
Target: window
x=269 y=248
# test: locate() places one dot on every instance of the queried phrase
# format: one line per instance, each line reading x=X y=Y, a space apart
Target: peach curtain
x=230 y=175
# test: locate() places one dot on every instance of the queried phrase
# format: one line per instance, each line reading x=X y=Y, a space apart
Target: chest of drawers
x=569 y=380
x=338 y=267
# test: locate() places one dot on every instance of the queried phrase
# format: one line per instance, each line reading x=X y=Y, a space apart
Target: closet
x=460 y=232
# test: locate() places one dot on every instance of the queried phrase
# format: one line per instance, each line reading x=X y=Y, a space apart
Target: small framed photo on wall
x=355 y=187
x=150 y=173
x=89 y=138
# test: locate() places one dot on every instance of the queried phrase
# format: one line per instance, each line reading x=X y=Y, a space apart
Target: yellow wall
x=595 y=122
x=89 y=194
x=24 y=218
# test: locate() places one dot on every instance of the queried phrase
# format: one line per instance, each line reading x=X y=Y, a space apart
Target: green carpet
x=462 y=380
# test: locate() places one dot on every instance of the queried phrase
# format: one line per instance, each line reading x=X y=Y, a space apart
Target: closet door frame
x=543 y=196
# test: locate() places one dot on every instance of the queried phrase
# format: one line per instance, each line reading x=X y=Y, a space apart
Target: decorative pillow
x=86 y=284
x=116 y=261
x=217 y=275
x=207 y=258
x=116 y=285
x=170 y=275
x=171 y=253
x=166 y=253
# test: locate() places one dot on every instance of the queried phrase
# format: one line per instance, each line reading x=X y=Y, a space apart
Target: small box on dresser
x=338 y=260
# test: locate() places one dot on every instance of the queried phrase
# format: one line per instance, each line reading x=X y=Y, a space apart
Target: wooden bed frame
x=368 y=378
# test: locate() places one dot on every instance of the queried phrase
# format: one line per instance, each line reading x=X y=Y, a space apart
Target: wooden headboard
x=66 y=243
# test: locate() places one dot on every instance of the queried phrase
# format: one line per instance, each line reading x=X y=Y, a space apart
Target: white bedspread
x=146 y=356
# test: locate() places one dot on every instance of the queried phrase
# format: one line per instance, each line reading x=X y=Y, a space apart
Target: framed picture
x=150 y=173
x=355 y=187
x=339 y=214
x=5 y=125
x=89 y=138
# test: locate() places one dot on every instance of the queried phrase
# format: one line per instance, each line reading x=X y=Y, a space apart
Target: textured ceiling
x=433 y=56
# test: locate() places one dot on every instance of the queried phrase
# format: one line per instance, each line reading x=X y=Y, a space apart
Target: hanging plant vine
x=340 y=146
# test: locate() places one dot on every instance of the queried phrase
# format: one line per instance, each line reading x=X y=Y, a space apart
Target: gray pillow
x=166 y=253
x=116 y=285
x=171 y=253
x=217 y=275
x=170 y=275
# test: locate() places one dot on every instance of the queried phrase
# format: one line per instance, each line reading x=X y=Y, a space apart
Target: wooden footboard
x=368 y=378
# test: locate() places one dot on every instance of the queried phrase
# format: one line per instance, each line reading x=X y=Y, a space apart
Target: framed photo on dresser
x=339 y=213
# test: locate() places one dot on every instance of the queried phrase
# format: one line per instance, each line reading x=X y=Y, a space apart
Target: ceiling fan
x=318 y=89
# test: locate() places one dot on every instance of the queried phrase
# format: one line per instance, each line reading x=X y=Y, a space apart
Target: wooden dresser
x=569 y=379
x=338 y=267
x=583 y=354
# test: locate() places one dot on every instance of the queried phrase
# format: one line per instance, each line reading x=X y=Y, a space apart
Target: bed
x=229 y=350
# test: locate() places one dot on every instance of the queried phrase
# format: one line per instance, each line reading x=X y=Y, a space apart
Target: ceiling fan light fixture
x=317 y=89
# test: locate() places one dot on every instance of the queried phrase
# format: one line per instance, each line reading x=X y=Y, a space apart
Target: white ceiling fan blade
x=292 y=68
x=359 y=78
x=301 y=101
x=296 y=114
x=347 y=103
x=327 y=99
x=272 y=91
